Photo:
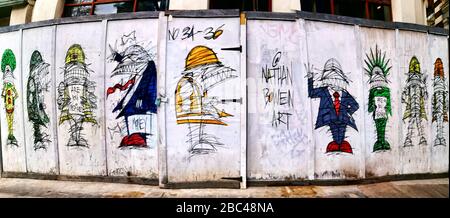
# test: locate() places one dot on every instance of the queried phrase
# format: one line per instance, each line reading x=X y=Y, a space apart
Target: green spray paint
x=9 y=92
x=37 y=84
x=377 y=68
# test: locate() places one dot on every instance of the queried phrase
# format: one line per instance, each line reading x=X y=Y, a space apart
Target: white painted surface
x=83 y=160
x=14 y=159
x=243 y=64
x=325 y=41
x=40 y=160
x=292 y=157
x=381 y=163
x=142 y=162
x=280 y=146
x=161 y=113
x=224 y=162
x=416 y=158
x=438 y=48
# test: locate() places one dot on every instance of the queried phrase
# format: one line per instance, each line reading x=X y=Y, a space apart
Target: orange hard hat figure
x=203 y=71
x=440 y=104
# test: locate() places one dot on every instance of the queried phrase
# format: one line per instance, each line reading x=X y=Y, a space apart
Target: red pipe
x=367 y=9
x=332 y=6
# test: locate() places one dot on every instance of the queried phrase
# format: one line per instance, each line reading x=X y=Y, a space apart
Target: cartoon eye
x=118 y=57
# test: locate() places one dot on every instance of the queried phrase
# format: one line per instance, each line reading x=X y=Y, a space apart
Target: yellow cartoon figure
x=76 y=98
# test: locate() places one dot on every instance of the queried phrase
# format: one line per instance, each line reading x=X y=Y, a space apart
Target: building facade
x=437 y=13
x=24 y=11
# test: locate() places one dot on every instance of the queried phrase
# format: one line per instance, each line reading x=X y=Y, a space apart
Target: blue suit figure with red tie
x=336 y=104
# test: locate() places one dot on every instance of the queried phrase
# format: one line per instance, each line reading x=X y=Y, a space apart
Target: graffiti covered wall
x=39 y=87
x=381 y=88
x=279 y=119
x=80 y=87
x=414 y=67
x=439 y=80
x=12 y=119
x=334 y=79
x=203 y=85
x=130 y=109
x=325 y=100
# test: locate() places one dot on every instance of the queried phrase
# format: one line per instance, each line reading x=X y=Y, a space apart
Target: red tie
x=337 y=102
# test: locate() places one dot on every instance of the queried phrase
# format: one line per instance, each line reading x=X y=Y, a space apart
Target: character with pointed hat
x=76 y=98
x=336 y=104
x=37 y=84
x=414 y=96
x=379 y=95
x=9 y=92
x=136 y=63
x=194 y=107
x=440 y=104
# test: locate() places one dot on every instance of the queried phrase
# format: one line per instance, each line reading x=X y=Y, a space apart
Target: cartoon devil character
x=336 y=104
x=379 y=95
x=414 y=96
x=194 y=107
x=135 y=63
x=37 y=84
x=9 y=92
x=76 y=98
x=440 y=104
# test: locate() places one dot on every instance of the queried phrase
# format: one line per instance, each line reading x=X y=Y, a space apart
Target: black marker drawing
x=9 y=92
x=377 y=68
x=135 y=65
x=439 y=102
x=277 y=90
x=337 y=105
x=194 y=107
x=76 y=98
x=37 y=86
x=414 y=96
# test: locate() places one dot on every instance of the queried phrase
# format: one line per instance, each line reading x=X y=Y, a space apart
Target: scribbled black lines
x=37 y=85
x=194 y=106
x=76 y=98
x=439 y=102
x=414 y=96
x=337 y=105
x=137 y=107
x=277 y=90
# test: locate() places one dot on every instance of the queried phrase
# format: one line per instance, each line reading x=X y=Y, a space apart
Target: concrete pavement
x=13 y=188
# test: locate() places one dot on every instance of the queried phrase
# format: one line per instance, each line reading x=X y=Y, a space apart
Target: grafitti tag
x=140 y=123
x=75 y=93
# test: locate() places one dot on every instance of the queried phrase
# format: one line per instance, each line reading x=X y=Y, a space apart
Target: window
x=243 y=5
x=73 y=8
x=370 y=9
x=379 y=10
x=350 y=8
x=5 y=13
x=5 y=10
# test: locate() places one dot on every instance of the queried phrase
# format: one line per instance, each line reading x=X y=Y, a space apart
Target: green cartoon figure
x=377 y=68
x=37 y=84
x=9 y=92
